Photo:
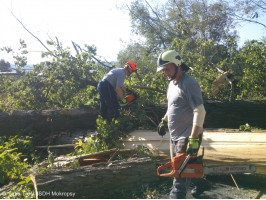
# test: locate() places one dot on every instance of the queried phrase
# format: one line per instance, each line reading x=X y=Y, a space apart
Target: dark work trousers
x=109 y=107
x=180 y=185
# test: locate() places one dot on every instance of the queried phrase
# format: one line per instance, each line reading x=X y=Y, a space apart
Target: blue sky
x=84 y=21
x=249 y=31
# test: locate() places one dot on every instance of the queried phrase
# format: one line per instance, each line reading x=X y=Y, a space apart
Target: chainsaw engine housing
x=183 y=166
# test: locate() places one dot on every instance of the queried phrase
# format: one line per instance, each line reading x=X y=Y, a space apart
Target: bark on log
x=96 y=181
x=100 y=180
x=46 y=122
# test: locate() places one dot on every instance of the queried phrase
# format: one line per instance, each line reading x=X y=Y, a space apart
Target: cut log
x=222 y=146
x=95 y=181
x=47 y=122
x=98 y=180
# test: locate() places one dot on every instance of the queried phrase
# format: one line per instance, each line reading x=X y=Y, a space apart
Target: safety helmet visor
x=160 y=68
x=161 y=63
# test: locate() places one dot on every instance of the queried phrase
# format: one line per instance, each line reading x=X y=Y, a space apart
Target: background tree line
x=201 y=31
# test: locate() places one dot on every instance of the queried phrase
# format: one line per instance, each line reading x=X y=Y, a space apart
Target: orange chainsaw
x=183 y=166
x=186 y=166
x=131 y=97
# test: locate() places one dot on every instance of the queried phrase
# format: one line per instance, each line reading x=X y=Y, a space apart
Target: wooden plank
x=222 y=146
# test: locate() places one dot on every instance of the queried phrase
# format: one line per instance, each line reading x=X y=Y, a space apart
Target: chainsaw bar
x=229 y=169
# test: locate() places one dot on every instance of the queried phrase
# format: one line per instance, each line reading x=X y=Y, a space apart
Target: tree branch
x=76 y=47
x=249 y=20
x=30 y=32
x=146 y=22
x=149 y=88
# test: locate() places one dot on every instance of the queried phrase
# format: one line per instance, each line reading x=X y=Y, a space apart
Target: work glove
x=162 y=127
x=193 y=146
x=124 y=100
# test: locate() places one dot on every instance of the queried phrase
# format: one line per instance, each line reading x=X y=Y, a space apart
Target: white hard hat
x=166 y=57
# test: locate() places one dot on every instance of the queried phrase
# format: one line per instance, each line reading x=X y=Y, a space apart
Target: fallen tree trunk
x=232 y=115
x=47 y=122
x=100 y=180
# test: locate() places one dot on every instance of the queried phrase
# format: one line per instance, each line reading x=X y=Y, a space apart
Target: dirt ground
x=223 y=191
x=223 y=187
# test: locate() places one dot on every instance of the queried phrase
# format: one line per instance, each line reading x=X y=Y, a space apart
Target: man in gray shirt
x=111 y=85
x=185 y=112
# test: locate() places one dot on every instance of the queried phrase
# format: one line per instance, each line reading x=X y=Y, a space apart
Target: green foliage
x=143 y=151
x=23 y=190
x=66 y=81
x=252 y=59
x=203 y=71
x=138 y=53
x=85 y=148
x=108 y=134
x=19 y=57
x=11 y=165
x=151 y=194
x=245 y=127
x=16 y=156
x=50 y=157
x=107 y=137
x=202 y=32
x=149 y=80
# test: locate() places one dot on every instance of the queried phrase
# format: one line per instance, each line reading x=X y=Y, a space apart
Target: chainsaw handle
x=165 y=166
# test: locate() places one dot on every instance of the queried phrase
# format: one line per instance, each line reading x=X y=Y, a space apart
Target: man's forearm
x=195 y=131
x=119 y=92
x=166 y=116
x=198 y=120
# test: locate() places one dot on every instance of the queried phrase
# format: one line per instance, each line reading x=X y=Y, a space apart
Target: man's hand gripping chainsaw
x=129 y=98
x=184 y=166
